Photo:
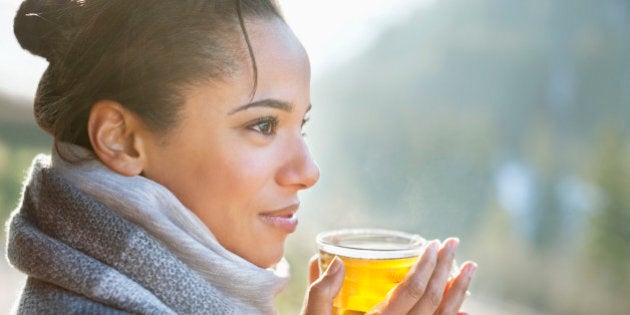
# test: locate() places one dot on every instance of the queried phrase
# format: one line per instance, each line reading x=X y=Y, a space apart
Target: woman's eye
x=265 y=126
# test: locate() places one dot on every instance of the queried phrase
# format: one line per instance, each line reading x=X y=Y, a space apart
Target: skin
x=426 y=290
x=229 y=162
x=238 y=164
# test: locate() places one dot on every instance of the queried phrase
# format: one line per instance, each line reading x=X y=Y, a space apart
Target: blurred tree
x=427 y=116
x=20 y=140
x=610 y=226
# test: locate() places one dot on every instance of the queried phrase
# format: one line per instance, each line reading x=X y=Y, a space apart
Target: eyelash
x=304 y=121
x=267 y=125
x=262 y=124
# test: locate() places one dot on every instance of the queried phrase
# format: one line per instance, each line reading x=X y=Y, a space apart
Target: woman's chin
x=268 y=258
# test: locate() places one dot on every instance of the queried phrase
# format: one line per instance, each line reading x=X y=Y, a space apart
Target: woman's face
x=238 y=165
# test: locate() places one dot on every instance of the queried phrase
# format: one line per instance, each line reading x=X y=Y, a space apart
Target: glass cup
x=375 y=261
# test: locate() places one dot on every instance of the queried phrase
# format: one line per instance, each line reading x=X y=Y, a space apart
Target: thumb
x=313 y=269
x=322 y=292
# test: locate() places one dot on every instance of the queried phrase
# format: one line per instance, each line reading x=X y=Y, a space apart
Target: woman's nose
x=300 y=170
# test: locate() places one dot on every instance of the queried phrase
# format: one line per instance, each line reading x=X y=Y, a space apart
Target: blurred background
x=505 y=123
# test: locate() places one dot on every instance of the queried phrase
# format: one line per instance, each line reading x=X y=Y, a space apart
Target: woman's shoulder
x=39 y=297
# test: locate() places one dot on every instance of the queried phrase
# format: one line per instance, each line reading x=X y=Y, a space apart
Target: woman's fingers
x=406 y=294
x=322 y=292
x=432 y=297
x=425 y=290
x=457 y=293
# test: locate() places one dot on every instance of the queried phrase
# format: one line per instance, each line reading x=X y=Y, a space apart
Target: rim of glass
x=409 y=245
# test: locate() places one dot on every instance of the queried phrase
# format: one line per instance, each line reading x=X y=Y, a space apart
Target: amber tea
x=375 y=261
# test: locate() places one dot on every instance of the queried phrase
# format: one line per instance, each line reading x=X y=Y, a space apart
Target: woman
x=177 y=162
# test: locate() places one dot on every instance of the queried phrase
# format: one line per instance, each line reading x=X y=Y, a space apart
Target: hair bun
x=44 y=26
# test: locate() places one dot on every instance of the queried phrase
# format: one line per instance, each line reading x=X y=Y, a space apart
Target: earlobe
x=116 y=137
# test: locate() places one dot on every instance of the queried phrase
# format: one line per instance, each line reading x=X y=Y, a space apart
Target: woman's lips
x=284 y=219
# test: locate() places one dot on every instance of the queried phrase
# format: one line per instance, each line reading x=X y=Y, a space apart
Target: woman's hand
x=425 y=290
x=324 y=288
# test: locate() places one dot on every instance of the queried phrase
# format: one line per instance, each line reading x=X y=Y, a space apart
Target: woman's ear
x=117 y=137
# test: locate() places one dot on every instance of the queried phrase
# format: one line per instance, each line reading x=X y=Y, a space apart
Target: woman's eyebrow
x=273 y=103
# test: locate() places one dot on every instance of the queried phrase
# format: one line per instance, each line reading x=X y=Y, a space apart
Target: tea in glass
x=375 y=261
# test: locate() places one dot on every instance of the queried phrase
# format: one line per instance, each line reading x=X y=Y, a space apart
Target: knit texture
x=83 y=257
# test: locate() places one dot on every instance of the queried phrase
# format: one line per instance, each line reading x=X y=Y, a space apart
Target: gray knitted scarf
x=126 y=243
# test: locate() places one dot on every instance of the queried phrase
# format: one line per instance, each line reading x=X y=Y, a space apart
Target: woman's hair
x=140 y=53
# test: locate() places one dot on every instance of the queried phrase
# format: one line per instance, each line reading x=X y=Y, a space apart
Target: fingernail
x=433 y=247
x=471 y=269
x=453 y=244
x=437 y=242
x=334 y=266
